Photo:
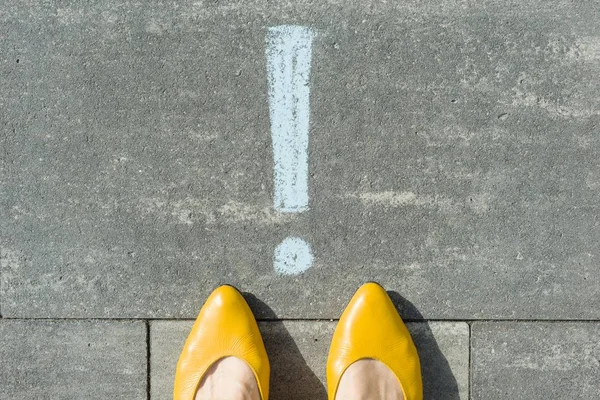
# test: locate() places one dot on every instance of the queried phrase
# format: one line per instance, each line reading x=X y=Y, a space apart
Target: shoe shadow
x=439 y=382
x=291 y=377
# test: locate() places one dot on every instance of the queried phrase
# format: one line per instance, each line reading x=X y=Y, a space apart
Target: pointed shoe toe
x=371 y=328
x=225 y=327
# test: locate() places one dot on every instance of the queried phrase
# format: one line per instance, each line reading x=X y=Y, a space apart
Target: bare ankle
x=369 y=380
x=229 y=378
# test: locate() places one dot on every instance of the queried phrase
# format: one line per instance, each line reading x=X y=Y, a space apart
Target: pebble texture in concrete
x=453 y=157
x=536 y=360
x=298 y=354
x=67 y=360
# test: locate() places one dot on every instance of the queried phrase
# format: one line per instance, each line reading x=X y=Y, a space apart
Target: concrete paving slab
x=298 y=353
x=453 y=157
x=72 y=360
x=535 y=360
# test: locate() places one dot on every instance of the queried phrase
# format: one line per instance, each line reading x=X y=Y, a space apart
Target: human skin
x=231 y=378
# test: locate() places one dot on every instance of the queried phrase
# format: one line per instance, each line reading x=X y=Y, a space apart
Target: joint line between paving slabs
x=468 y=321
x=470 y=375
x=148 y=379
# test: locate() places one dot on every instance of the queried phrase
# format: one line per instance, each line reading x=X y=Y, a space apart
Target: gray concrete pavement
x=298 y=354
x=454 y=157
x=536 y=360
x=72 y=360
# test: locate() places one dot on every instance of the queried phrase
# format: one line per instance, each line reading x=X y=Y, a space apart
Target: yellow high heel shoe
x=225 y=327
x=370 y=328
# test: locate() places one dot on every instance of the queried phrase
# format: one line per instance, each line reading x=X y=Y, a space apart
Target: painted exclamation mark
x=289 y=50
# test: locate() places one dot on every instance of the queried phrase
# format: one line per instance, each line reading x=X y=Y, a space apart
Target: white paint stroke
x=581 y=110
x=189 y=211
x=392 y=199
x=289 y=49
x=293 y=256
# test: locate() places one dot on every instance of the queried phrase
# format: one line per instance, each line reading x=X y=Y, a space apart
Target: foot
x=229 y=378
x=369 y=380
